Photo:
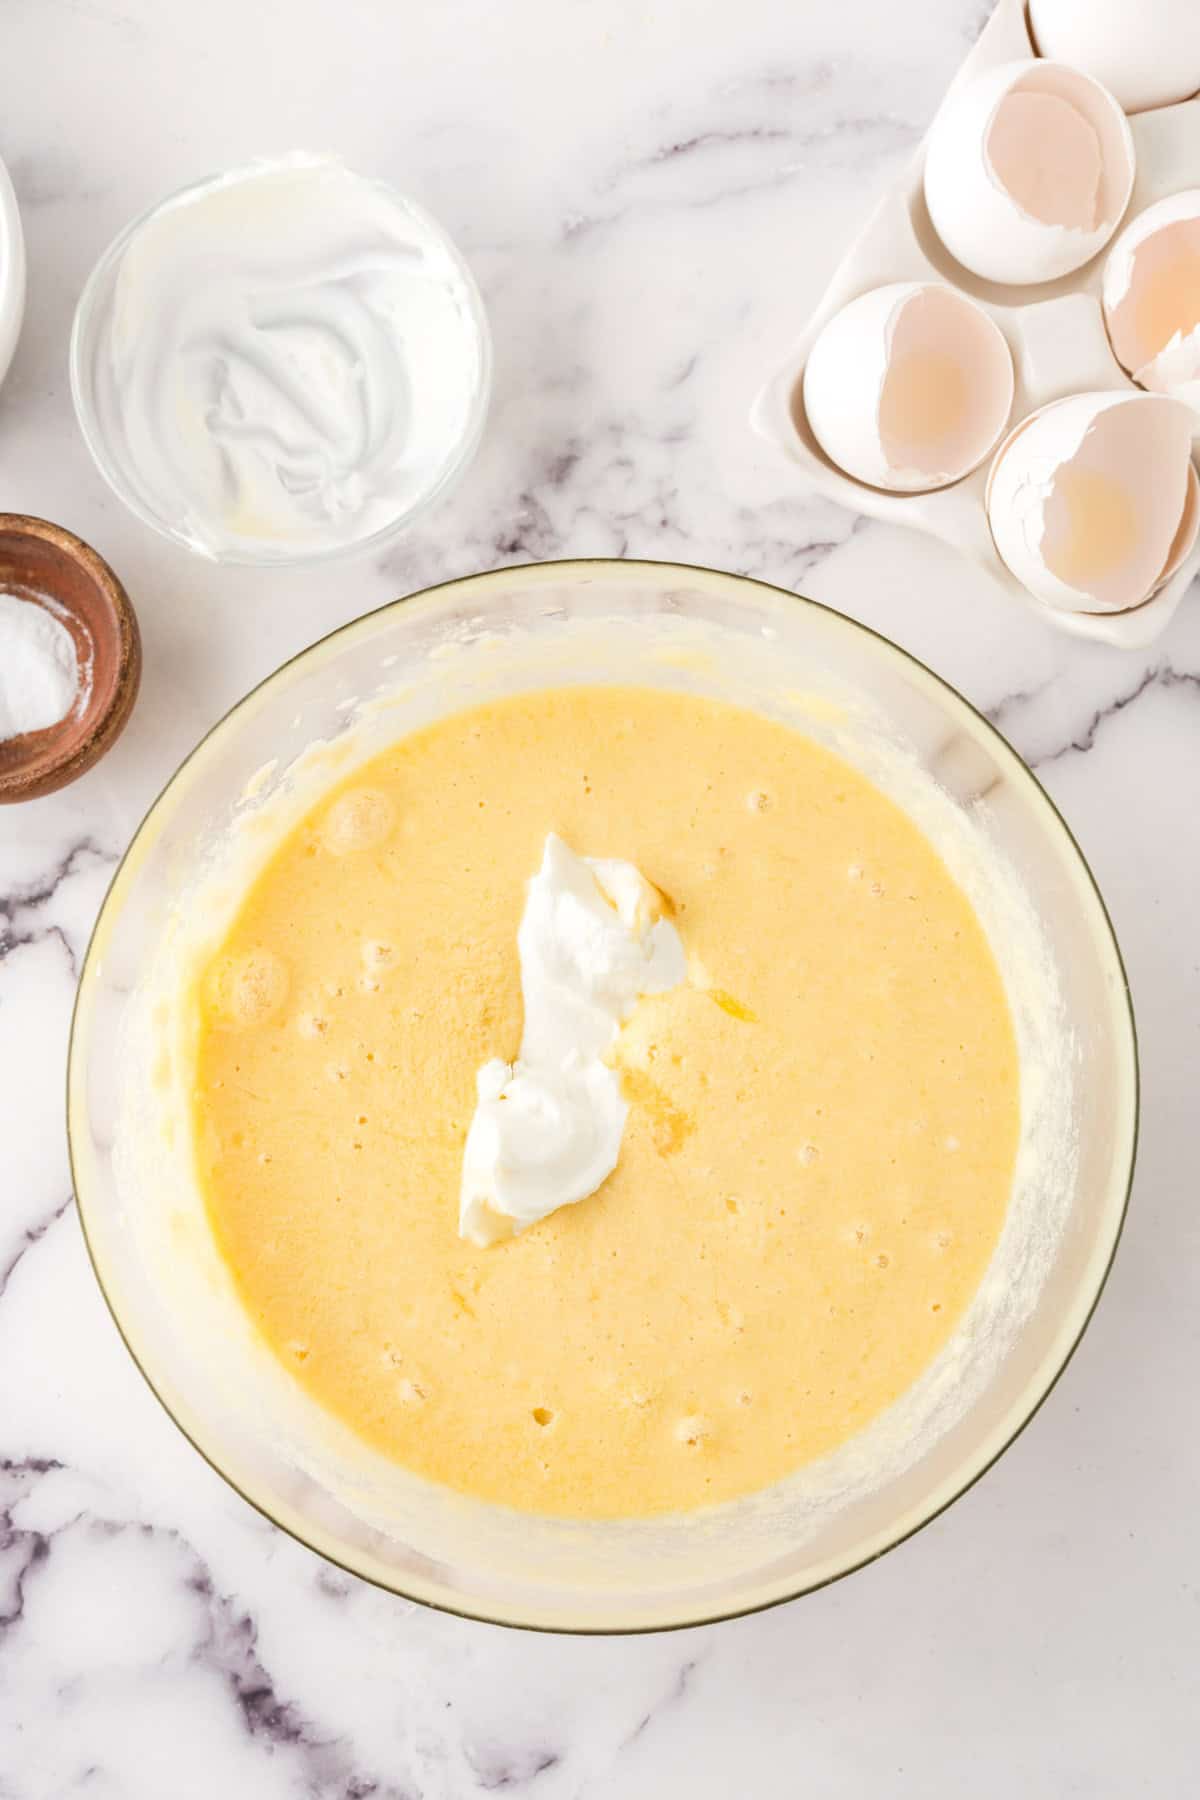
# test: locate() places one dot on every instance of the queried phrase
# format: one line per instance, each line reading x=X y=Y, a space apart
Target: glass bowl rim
x=428 y=598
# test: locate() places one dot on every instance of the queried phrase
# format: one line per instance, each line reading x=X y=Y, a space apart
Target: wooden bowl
x=52 y=567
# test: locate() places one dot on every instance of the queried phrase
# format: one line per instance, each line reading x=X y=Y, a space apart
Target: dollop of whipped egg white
x=547 y=1129
x=293 y=358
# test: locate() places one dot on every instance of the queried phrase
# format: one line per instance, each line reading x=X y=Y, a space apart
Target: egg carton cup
x=1054 y=329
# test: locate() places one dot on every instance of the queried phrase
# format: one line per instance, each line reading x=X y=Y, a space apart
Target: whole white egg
x=1028 y=169
x=909 y=386
x=1152 y=298
x=1093 y=501
x=1146 y=52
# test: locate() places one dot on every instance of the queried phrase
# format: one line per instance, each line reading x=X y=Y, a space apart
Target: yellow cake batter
x=820 y=1141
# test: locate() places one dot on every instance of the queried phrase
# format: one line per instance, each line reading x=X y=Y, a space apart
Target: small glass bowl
x=89 y=337
x=12 y=272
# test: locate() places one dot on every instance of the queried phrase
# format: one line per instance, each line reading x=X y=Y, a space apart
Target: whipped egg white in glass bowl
x=281 y=363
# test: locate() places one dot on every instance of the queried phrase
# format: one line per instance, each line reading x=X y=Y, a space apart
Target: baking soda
x=39 y=670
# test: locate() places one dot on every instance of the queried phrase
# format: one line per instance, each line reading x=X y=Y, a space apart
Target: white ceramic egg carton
x=1055 y=330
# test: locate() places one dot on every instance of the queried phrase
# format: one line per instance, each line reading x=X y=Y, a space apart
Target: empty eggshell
x=1146 y=52
x=1093 y=501
x=1028 y=169
x=1152 y=297
x=909 y=386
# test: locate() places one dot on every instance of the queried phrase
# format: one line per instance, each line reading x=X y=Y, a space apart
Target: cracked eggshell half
x=1152 y=297
x=1146 y=52
x=1028 y=170
x=1093 y=501
x=908 y=387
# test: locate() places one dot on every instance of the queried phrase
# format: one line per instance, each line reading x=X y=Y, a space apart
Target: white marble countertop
x=651 y=196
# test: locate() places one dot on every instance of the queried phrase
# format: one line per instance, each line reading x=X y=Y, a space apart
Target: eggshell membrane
x=908 y=387
x=1048 y=157
x=1186 y=532
x=1065 y=146
x=1145 y=52
x=1152 y=297
x=1092 y=501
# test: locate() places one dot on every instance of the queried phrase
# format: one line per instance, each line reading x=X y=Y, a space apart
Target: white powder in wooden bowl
x=39 y=670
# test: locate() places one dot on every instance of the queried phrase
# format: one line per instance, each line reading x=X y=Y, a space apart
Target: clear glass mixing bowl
x=557 y=623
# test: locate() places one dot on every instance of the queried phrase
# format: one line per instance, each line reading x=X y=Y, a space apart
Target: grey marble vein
x=31 y=1235
x=675 y=1694
x=23 y=907
x=20 y=1550
x=222 y=1640
x=1161 y=676
x=504 y=1774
